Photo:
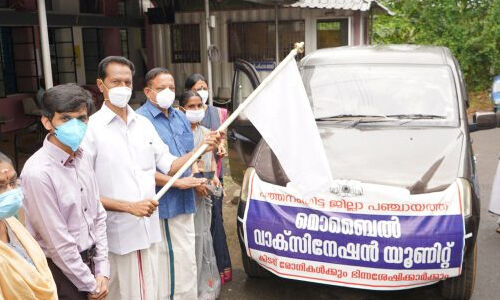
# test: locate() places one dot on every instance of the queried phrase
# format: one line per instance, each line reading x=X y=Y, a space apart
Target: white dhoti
x=177 y=257
x=495 y=193
x=136 y=275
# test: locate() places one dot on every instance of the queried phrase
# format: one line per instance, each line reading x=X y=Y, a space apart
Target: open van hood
x=419 y=159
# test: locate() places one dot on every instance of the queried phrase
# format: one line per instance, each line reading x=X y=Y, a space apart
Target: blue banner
x=379 y=238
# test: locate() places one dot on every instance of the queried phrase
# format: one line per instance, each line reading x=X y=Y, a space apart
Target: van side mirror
x=484 y=120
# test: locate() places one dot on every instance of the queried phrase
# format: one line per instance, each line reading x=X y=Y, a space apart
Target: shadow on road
x=277 y=288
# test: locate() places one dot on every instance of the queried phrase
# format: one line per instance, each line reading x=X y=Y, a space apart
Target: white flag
x=283 y=116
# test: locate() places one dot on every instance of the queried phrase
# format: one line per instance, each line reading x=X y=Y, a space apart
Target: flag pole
x=299 y=48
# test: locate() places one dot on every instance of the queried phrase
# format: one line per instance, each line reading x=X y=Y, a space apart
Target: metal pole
x=209 y=63
x=44 y=37
x=276 y=33
x=371 y=27
x=361 y=30
x=299 y=47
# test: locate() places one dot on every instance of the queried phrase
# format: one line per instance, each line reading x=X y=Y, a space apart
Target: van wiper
x=348 y=116
x=417 y=116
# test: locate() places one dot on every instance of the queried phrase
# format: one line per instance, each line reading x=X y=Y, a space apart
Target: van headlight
x=465 y=190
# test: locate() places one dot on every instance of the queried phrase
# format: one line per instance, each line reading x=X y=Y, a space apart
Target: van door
x=242 y=135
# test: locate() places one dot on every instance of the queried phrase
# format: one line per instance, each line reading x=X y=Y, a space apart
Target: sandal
x=498 y=229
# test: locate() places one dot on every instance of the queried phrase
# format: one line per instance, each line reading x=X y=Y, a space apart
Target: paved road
x=487 y=148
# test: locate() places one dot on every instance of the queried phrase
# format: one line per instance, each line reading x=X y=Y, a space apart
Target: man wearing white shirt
x=126 y=152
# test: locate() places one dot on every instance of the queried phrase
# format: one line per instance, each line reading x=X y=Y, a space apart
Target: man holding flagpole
x=177 y=207
x=288 y=128
x=126 y=151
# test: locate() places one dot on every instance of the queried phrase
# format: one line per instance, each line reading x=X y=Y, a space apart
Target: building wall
x=68 y=7
x=222 y=71
x=356 y=29
x=111 y=41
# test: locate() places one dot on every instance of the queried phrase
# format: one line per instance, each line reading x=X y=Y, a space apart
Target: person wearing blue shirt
x=177 y=206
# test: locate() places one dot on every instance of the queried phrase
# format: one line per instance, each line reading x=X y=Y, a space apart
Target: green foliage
x=469 y=28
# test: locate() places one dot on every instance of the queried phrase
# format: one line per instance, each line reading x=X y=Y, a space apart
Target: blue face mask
x=10 y=203
x=71 y=133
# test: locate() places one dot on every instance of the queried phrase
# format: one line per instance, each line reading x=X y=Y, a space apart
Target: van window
x=383 y=90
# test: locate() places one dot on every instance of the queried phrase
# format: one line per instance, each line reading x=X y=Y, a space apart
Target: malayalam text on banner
x=383 y=238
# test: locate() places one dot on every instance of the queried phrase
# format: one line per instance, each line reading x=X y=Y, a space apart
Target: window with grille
x=256 y=41
x=124 y=42
x=62 y=55
x=25 y=62
x=18 y=61
x=290 y=32
x=185 y=43
x=7 y=69
x=93 y=52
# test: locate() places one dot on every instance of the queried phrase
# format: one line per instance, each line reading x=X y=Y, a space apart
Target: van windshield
x=423 y=94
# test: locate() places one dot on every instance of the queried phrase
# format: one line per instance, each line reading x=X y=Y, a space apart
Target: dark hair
x=67 y=97
x=186 y=95
x=192 y=80
x=103 y=64
x=151 y=74
x=5 y=158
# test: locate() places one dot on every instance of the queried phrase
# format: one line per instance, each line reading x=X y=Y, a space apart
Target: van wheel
x=461 y=287
x=253 y=269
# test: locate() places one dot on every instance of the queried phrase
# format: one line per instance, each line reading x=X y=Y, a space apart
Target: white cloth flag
x=495 y=193
x=283 y=116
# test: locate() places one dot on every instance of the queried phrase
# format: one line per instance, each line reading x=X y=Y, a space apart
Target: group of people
x=93 y=229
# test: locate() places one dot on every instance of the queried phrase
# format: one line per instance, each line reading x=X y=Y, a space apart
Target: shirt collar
x=58 y=154
x=155 y=111
x=108 y=115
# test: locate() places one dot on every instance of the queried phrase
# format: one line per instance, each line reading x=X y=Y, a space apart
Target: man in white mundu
x=126 y=152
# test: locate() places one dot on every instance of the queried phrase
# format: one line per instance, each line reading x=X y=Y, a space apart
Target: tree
x=469 y=28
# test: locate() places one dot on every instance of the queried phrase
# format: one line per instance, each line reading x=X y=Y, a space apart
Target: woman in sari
x=24 y=273
x=213 y=118
x=208 y=276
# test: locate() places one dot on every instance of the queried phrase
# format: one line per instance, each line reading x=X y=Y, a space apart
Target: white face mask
x=195 y=116
x=204 y=95
x=165 y=98
x=119 y=96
